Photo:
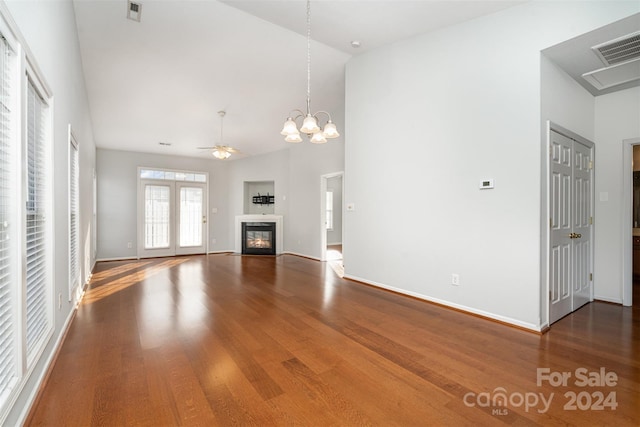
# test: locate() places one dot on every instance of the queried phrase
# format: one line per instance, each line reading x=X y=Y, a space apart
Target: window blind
x=329 y=220
x=74 y=264
x=36 y=238
x=8 y=374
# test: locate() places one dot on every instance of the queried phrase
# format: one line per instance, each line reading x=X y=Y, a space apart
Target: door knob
x=575 y=235
x=204 y=219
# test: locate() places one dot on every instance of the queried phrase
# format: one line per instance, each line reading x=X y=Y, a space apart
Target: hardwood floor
x=231 y=340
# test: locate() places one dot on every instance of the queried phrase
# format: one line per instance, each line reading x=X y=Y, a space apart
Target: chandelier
x=310 y=122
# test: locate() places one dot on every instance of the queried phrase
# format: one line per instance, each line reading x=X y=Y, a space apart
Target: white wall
x=308 y=163
x=117 y=198
x=617 y=117
x=457 y=106
x=49 y=29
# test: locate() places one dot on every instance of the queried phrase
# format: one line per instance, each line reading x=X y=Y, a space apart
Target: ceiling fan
x=221 y=151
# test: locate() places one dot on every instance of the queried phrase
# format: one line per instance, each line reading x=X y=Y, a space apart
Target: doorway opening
x=331 y=227
x=631 y=223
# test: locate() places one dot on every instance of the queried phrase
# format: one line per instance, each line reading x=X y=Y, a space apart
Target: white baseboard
x=498 y=317
x=229 y=251
x=301 y=255
x=116 y=259
x=45 y=369
x=607 y=299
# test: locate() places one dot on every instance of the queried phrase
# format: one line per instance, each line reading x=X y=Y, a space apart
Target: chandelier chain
x=308 y=56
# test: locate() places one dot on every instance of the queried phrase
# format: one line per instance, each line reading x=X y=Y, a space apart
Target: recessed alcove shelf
x=253 y=189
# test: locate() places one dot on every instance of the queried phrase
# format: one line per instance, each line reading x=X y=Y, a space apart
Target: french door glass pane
x=156 y=216
x=191 y=216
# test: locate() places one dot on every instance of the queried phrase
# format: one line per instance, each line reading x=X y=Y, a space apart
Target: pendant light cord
x=308 y=56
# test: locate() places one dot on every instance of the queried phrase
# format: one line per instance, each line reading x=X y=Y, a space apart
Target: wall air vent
x=134 y=10
x=619 y=50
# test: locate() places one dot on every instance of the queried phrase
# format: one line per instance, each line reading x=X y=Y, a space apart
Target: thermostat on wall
x=486 y=184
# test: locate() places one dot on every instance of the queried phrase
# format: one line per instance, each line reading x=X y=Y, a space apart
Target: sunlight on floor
x=334 y=259
x=107 y=287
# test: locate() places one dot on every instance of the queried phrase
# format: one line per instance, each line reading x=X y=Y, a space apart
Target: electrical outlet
x=129 y=245
x=455 y=279
x=213 y=241
x=60 y=301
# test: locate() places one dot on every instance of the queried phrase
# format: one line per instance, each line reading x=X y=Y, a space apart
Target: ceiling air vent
x=622 y=57
x=134 y=10
x=619 y=50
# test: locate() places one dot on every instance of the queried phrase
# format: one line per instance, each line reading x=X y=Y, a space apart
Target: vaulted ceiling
x=163 y=79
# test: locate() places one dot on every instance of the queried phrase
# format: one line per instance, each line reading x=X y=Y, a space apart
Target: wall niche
x=259 y=197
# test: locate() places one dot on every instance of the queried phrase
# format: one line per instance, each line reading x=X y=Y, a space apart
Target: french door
x=172 y=218
x=571 y=222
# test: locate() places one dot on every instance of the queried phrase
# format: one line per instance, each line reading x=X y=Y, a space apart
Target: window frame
x=14 y=148
x=75 y=277
x=32 y=75
x=329 y=210
x=24 y=71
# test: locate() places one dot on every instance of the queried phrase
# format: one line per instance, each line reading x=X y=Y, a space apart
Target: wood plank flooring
x=225 y=340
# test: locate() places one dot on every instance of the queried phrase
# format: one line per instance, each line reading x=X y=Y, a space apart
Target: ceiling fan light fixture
x=221 y=154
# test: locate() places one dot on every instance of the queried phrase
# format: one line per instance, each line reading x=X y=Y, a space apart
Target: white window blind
x=329 y=221
x=74 y=182
x=191 y=213
x=157 y=216
x=8 y=373
x=36 y=236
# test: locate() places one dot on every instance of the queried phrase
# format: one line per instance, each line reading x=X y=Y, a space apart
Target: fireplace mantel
x=258 y=218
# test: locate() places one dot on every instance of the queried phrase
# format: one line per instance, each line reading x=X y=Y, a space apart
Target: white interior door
x=571 y=195
x=561 y=242
x=191 y=208
x=582 y=218
x=172 y=218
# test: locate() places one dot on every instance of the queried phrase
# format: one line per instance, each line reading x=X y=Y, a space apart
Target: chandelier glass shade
x=310 y=124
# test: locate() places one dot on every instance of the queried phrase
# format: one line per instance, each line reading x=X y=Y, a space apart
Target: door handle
x=575 y=235
x=204 y=219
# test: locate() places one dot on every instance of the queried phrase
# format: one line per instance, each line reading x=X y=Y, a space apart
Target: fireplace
x=259 y=238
